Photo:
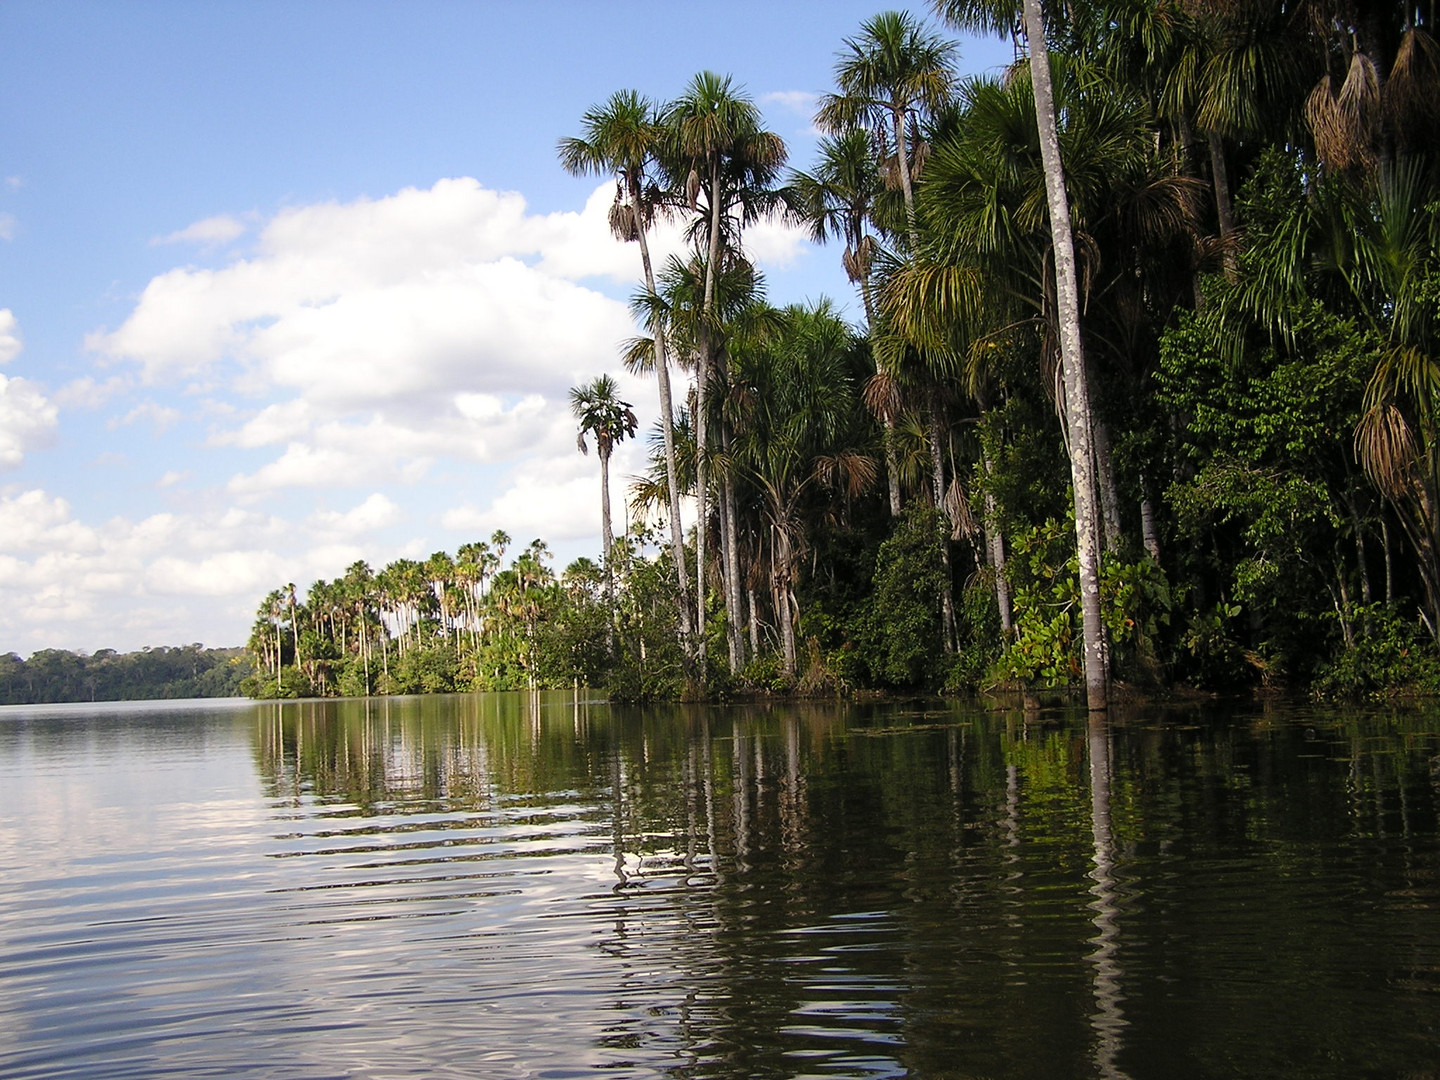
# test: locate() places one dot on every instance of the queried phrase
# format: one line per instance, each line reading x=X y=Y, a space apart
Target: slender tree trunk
x=892 y=463
x=667 y=417
x=1072 y=359
x=1223 y=203
x=607 y=537
x=702 y=510
x=1389 y=567
x=733 y=610
x=754 y=625
x=1149 y=536
x=902 y=160
x=782 y=593
x=937 y=461
x=711 y=270
x=1105 y=474
x=995 y=549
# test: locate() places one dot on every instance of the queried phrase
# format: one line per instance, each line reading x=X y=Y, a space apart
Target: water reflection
x=853 y=892
x=528 y=885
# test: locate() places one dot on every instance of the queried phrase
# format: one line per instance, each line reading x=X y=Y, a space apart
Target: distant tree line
x=1146 y=388
x=185 y=671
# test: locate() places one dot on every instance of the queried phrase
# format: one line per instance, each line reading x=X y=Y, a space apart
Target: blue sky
x=286 y=285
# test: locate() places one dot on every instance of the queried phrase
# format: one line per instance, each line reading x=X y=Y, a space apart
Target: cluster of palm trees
x=1145 y=384
x=466 y=621
x=1022 y=245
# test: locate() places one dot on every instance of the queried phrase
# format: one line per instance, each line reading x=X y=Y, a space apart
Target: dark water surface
x=505 y=886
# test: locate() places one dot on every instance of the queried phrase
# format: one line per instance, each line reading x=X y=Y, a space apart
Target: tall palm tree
x=890 y=76
x=609 y=420
x=720 y=155
x=996 y=14
x=623 y=138
x=837 y=200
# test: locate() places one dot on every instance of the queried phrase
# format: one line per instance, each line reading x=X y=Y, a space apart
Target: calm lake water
x=507 y=886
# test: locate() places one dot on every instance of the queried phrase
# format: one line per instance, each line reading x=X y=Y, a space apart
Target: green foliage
x=1391 y=655
x=899 y=637
x=1044 y=576
x=52 y=675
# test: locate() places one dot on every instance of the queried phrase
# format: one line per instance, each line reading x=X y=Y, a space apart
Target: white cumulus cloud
x=10 y=343
x=210 y=232
x=27 y=420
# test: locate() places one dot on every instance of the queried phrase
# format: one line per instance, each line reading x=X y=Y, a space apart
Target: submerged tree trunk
x=1072 y=360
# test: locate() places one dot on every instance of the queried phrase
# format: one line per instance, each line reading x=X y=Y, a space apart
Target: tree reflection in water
x=912 y=891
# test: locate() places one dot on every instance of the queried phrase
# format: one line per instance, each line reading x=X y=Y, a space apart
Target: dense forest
x=186 y=671
x=1145 y=391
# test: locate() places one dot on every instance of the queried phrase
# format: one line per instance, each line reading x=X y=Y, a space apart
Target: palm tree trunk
x=607 y=537
x=1072 y=359
x=702 y=512
x=782 y=596
x=937 y=462
x=730 y=529
x=902 y=161
x=1223 y=202
x=892 y=461
x=995 y=549
x=667 y=417
x=1105 y=476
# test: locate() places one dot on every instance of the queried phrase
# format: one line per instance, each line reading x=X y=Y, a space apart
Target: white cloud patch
x=160 y=416
x=159 y=580
x=209 y=233
x=376 y=512
x=8 y=224
x=87 y=392
x=11 y=344
x=27 y=420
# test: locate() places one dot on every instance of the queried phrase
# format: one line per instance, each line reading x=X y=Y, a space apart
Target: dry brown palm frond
x=692 y=189
x=857 y=260
x=1387 y=449
x=849 y=471
x=622 y=222
x=882 y=396
x=890 y=171
x=1342 y=120
x=957 y=509
x=920 y=154
x=1412 y=93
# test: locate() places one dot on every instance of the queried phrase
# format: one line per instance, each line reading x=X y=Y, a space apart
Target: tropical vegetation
x=1143 y=391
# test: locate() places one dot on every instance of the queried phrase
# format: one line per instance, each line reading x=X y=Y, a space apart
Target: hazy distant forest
x=52 y=675
x=1145 y=389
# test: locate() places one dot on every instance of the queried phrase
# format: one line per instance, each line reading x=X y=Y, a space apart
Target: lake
x=545 y=886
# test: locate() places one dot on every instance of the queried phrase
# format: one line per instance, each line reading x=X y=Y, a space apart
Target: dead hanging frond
x=957 y=508
x=692 y=189
x=623 y=224
x=858 y=259
x=1412 y=93
x=1387 y=449
x=890 y=173
x=919 y=155
x=848 y=471
x=882 y=396
x=1343 y=120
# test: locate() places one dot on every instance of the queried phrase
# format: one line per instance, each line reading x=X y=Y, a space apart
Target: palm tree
x=837 y=200
x=979 y=14
x=610 y=421
x=798 y=433
x=623 y=138
x=891 y=76
x=727 y=164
